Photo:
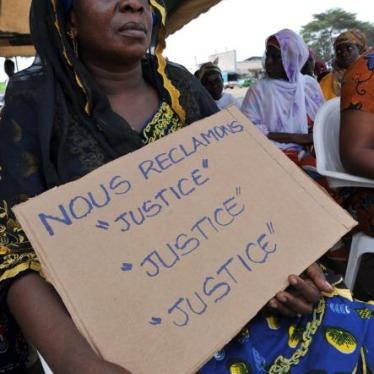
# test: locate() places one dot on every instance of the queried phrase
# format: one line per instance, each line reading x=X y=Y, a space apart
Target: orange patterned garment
x=358 y=85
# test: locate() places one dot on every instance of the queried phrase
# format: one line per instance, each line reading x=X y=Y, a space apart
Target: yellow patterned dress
x=164 y=122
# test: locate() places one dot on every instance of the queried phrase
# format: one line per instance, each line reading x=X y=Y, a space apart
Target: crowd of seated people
x=283 y=106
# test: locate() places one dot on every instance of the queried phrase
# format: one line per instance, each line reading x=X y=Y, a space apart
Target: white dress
x=226 y=100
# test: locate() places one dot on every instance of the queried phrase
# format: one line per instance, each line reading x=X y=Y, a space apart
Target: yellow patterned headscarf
x=173 y=92
x=352 y=37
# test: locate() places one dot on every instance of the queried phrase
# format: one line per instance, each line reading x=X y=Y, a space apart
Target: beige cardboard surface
x=162 y=256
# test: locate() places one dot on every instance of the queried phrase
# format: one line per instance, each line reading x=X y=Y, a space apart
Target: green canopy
x=14 y=25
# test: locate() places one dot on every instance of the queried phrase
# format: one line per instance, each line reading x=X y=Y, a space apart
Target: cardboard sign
x=162 y=256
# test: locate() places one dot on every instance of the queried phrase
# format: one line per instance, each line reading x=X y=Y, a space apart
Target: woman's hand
x=304 y=292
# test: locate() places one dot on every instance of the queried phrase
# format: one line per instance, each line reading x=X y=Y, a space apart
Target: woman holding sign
x=95 y=96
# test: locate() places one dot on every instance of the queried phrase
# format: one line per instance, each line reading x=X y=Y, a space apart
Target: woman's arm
x=357 y=142
x=283 y=137
x=45 y=322
x=32 y=301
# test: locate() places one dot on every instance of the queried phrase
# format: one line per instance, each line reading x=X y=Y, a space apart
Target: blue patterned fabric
x=337 y=338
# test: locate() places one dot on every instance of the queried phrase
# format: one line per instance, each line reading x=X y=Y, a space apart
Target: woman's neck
x=118 y=81
x=124 y=86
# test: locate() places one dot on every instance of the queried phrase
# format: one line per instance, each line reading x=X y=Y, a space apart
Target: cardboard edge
x=243 y=324
x=311 y=189
x=320 y=196
x=323 y=200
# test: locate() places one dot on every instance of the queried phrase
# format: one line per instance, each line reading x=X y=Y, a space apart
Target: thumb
x=316 y=274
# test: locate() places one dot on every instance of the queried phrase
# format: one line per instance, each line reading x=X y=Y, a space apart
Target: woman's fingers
x=315 y=274
x=304 y=292
x=296 y=304
x=281 y=308
x=304 y=288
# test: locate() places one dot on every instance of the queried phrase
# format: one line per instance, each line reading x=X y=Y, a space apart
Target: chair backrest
x=326 y=135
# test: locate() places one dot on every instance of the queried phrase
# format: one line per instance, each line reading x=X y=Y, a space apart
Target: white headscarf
x=277 y=105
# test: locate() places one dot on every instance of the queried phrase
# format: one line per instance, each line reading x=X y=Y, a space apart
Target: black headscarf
x=207 y=69
x=58 y=107
x=57 y=125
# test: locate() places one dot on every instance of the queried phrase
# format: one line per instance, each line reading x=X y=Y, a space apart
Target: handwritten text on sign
x=82 y=206
x=215 y=286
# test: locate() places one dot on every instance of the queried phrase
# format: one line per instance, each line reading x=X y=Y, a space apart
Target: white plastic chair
x=361 y=244
x=326 y=143
x=326 y=134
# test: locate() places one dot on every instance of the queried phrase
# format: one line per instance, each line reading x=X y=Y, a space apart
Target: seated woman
x=283 y=105
x=348 y=46
x=357 y=155
x=95 y=96
x=210 y=75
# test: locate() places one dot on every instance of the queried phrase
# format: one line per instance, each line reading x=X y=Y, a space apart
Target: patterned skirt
x=338 y=337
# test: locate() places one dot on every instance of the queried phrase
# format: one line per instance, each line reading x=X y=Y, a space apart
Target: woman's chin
x=133 y=54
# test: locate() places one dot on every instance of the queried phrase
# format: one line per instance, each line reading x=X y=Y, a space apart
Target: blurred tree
x=320 y=33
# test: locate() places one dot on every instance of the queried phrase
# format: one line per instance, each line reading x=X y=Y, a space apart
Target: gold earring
x=74 y=41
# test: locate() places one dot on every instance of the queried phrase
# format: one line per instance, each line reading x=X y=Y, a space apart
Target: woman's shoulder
x=311 y=82
x=25 y=98
x=32 y=74
x=267 y=84
x=307 y=78
x=178 y=68
x=179 y=74
x=26 y=84
x=365 y=63
x=263 y=82
x=191 y=94
x=261 y=87
x=194 y=97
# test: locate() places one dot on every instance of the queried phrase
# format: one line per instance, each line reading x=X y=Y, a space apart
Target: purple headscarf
x=294 y=52
x=279 y=105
